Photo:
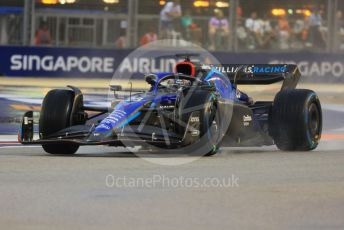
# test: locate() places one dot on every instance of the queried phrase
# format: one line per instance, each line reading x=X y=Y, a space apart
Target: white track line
x=6 y=138
x=20 y=146
x=338 y=108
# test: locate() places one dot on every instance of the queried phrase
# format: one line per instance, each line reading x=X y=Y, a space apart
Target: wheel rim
x=314 y=121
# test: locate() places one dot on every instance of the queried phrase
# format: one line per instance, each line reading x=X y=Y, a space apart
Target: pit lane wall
x=101 y=63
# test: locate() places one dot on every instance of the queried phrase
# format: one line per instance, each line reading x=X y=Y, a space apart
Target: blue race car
x=196 y=108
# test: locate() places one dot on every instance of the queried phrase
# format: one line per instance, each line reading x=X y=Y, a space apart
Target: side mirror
x=151 y=79
x=115 y=87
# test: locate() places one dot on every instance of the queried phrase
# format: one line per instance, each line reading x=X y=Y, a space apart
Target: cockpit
x=184 y=74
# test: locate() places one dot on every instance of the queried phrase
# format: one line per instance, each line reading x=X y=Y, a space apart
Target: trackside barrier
x=101 y=63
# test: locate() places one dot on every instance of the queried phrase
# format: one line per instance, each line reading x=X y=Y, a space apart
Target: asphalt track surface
x=239 y=188
x=270 y=189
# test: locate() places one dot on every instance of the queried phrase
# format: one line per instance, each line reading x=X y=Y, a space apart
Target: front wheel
x=56 y=115
x=200 y=106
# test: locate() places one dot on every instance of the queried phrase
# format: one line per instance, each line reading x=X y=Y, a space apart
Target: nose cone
x=112 y=121
x=122 y=115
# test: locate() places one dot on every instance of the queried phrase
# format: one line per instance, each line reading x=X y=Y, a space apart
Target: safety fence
x=102 y=63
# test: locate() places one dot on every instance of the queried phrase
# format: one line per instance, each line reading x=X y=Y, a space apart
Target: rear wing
x=260 y=74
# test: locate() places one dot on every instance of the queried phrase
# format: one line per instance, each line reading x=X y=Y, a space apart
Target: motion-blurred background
x=51 y=43
x=241 y=25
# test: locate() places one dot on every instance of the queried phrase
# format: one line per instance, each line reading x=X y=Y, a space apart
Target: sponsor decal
x=238 y=94
x=269 y=69
x=50 y=63
x=166 y=106
x=195 y=133
x=246 y=119
x=136 y=98
x=226 y=69
x=248 y=69
x=85 y=62
x=147 y=65
x=104 y=126
x=111 y=121
x=314 y=68
x=194 y=119
x=154 y=137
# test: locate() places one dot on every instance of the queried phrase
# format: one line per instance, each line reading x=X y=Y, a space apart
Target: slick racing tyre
x=55 y=116
x=202 y=105
x=296 y=120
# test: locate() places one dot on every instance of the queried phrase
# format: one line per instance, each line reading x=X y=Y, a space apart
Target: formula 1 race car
x=197 y=108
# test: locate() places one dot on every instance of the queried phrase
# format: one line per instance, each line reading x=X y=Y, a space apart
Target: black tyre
x=55 y=116
x=204 y=103
x=296 y=120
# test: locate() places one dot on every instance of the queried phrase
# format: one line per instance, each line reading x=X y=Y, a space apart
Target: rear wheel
x=296 y=120
x=56 y=115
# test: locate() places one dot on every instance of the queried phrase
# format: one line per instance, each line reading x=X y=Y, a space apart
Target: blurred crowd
x=282 y=33
x=253 y=32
